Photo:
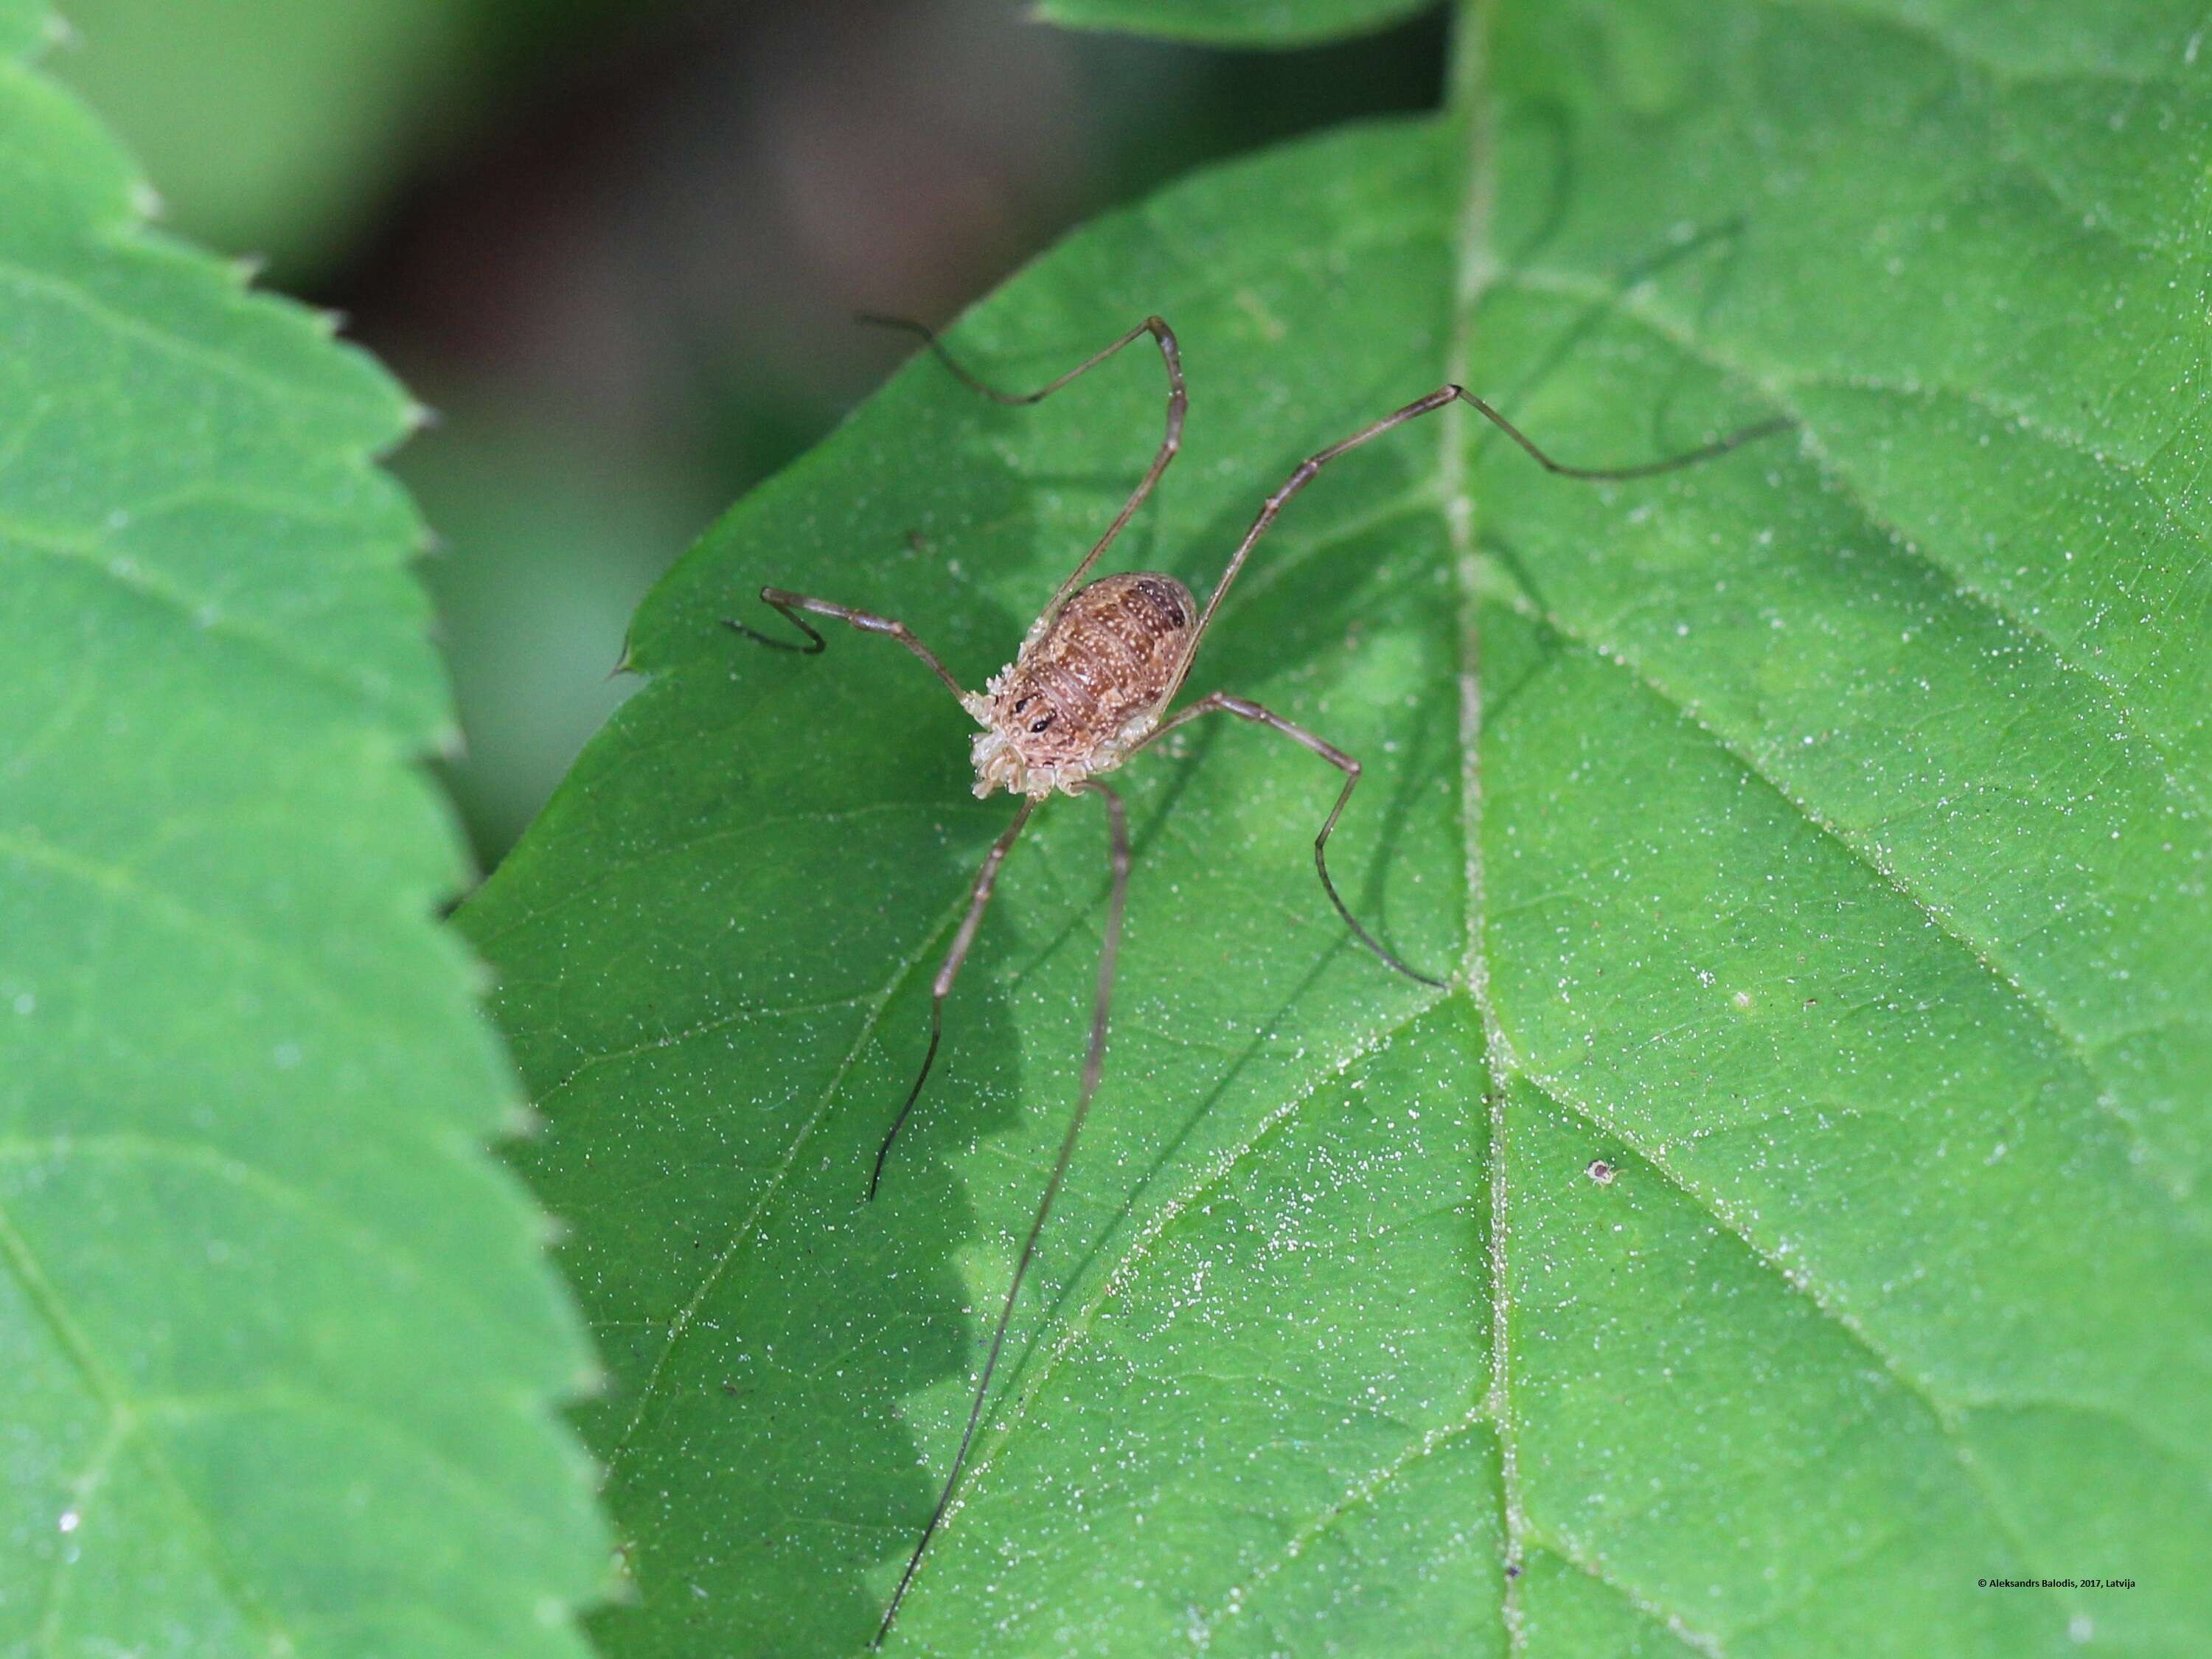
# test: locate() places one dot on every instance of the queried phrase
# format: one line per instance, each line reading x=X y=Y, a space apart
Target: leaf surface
x=281 y=1347
x=1780 y=1224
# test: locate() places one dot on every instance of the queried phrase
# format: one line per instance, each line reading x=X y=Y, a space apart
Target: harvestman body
x=1088 y=688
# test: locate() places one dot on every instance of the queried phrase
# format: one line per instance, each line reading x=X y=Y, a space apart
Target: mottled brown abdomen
x=1115 y=651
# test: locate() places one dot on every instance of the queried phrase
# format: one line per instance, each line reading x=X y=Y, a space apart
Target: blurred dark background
x=617 y=244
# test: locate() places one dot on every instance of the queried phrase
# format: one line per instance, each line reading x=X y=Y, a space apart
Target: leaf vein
x=723 y=1258
x=2066 y=657
x=1944 y=1411
x=16 y=1250
x=2171 y=1184
x=1076 y=1329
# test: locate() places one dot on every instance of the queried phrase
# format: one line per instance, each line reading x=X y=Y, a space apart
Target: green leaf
x=1234 y=23
x=278 y=127
x=1794 y=1212
x=282 y=130
x=282 y=1349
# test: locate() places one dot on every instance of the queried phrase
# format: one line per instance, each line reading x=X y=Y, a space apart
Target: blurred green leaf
x=1234 y=23
x=276 y=126
x=1793 y=1215
x=281 y=1347
x=281 y=127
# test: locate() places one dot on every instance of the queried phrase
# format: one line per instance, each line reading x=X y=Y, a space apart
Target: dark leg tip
x=1403 y=967
x=811 y=649
x=883 y=1157
x=1391 y=961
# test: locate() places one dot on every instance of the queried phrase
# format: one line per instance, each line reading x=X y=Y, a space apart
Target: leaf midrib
x=1476 y=271
x=1479 y=271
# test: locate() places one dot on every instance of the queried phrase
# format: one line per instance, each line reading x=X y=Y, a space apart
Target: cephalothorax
x=1088 y=690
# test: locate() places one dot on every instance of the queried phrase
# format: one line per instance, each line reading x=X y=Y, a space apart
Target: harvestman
x=1085 y=692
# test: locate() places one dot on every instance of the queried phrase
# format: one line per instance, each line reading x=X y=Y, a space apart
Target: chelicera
x=1090 y=689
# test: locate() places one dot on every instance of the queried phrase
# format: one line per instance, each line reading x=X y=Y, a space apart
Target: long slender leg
x=1178 y=403
x=1093 y=1064
x=791 y=604
x=979 y=896
x=1245 y=709
x=1443 y=395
